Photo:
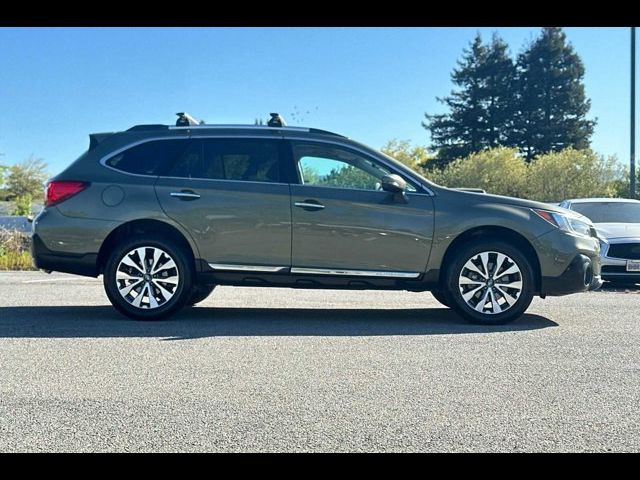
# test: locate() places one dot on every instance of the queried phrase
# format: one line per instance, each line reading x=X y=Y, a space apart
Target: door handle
x=185 y=195
x=309 y=205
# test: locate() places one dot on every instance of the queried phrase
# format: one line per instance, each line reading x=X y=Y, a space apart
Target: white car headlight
x=567 y=223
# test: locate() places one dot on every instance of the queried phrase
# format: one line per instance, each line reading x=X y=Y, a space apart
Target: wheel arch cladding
x=498 y=233
x=157 y=228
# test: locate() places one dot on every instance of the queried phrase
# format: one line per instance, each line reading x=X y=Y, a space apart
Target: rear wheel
x=490 y=282
x=148 y=279
x=199 y=293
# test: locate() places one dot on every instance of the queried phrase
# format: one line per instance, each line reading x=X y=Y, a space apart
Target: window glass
x=329 y=166
x=230 y=159
x=189 y=164
x=148 y=158
x=609 y=212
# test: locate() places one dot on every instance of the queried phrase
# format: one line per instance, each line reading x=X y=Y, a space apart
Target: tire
x=492 y=303
x=167 y=275
x=440 y=297
x=199 y=293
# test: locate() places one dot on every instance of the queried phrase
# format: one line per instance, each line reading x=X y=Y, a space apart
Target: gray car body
x=362 y=239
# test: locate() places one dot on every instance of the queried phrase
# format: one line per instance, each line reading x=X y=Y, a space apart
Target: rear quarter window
x=148 y=158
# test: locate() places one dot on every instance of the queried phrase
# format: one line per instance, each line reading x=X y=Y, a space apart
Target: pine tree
x=552 y=102
x=482 y=110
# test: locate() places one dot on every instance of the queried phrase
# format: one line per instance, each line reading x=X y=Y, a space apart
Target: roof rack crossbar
x=185 y=120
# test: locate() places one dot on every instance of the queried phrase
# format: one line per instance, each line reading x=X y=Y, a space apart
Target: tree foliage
x=27 y=178
x=500 y=170
x=550 y=177
x=350 y=177
x=413 y=156
x=22 y=206
x=551 y=97
x=572 y=173
x=537 y=104
x=482 y=109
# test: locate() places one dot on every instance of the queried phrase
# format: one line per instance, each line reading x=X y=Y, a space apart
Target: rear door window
x=251 y=160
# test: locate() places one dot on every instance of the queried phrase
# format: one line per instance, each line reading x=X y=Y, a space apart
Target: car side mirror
x=393 y=183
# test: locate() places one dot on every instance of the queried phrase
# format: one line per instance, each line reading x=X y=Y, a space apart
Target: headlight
x=567 y=223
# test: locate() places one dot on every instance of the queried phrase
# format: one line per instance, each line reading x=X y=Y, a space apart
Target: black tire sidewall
x=441 y=297
x=199 y=293
x=467 y=251
x=185 y=270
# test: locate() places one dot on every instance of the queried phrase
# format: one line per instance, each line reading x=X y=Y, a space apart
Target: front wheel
x=490 y=282
x=199 y=293
x=148 y=279
x=440 y=297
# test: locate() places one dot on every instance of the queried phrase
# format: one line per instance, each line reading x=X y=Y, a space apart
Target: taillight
x=60 y=190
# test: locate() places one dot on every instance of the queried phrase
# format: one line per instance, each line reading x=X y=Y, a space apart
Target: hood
x=618 y=230
x=518 y=202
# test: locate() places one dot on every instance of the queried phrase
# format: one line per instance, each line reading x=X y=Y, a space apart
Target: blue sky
x=57 y=85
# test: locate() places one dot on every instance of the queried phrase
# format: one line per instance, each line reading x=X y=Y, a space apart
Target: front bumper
x=568 y=263
x=615 y=269
x=582 y=274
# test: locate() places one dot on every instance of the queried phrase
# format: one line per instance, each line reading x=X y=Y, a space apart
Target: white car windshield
x=609 y=212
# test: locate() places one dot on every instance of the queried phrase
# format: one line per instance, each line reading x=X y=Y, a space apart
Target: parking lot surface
x=299 y=370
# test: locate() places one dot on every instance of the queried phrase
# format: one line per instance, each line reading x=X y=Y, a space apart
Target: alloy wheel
x=147 y=277
x=490 y=282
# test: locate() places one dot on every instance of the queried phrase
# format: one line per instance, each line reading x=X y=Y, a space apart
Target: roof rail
x=156 y=126
x=325 y=132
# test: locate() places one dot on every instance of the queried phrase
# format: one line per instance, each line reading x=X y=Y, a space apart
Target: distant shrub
x=550 y=177
x=498 y=170
x=571 y=174
x=14 y=250
x=22 y=205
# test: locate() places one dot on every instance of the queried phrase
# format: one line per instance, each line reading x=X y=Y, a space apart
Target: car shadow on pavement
x=200 y=322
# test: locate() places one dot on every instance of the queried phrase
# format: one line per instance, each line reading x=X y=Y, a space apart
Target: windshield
x=609 y=212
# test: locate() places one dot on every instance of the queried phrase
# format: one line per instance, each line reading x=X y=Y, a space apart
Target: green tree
x=4 y=171
x=571 y=173
x=413 y=156
x=310 y=175
x=498 y=170
x=551 y=99
x=27 y=178
x=350 y=177
x=22 y=205
x=482 y=110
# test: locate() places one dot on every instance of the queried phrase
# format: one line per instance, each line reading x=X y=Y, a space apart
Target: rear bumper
x=67 y=244
x=45 y=259
x=582 y=274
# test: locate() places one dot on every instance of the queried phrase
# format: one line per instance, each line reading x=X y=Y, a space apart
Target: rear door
x=231 y=195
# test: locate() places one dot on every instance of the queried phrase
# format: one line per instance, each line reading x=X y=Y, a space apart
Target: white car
x=617 y=221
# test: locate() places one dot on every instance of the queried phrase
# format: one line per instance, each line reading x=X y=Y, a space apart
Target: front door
x=230 y=195
x=344 y=224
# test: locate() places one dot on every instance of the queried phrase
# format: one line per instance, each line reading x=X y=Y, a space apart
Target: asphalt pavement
x=256 y=369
